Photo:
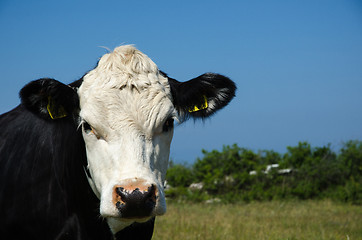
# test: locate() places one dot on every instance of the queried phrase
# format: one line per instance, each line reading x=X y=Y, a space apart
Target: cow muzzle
x=135 y=199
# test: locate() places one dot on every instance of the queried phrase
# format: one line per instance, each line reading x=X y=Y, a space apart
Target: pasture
x=275 y=220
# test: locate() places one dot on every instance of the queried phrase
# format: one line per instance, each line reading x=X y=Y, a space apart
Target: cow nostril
x=151 y=193
x=119 y=204
x=119 y=190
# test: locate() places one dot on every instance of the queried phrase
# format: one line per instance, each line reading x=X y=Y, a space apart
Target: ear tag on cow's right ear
x=200 y=107
x=55 y=111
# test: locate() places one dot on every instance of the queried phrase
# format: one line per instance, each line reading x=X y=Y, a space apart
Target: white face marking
x=126 y=103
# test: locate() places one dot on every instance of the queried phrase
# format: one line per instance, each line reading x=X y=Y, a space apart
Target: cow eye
x=168 y=125
x=86 y=127
x=89 y=129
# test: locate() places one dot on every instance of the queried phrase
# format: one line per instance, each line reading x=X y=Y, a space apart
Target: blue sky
x=297 y=64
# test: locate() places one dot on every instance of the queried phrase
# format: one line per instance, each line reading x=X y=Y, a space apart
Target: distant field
x=267 y=220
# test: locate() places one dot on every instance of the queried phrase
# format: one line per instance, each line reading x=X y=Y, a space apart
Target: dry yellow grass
x=260 y=220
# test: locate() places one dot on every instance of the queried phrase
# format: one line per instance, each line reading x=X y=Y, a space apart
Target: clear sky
x=297 y=64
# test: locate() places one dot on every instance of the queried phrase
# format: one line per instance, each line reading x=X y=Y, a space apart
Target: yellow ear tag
x=54 y=111
x=200 y=107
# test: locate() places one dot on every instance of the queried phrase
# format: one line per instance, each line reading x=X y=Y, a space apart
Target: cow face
x=126 y=109
x=127 y=119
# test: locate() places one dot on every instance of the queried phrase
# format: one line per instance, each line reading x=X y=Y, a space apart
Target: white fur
x=126 y=101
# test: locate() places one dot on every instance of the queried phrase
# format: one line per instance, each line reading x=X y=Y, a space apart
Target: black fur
x=217 y=89
x=43 y=192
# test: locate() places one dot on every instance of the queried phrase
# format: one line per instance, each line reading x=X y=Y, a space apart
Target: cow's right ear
x=49 y=98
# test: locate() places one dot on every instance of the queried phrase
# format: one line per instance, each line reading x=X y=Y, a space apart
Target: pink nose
x=135 y=199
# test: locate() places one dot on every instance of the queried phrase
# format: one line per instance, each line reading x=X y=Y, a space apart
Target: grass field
x=291 y=220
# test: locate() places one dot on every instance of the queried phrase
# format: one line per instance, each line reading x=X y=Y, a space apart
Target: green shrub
x=317 y=173
x=179 y=175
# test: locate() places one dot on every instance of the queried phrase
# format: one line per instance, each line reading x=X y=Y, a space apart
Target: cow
x=88 y=160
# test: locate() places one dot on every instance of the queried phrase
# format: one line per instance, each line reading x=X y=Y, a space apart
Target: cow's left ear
x=202 y=96
x=49 y=98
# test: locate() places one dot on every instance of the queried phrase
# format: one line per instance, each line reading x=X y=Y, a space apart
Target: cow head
x=126 y=108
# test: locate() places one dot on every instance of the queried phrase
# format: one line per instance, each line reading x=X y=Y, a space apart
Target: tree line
x=240 y=174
